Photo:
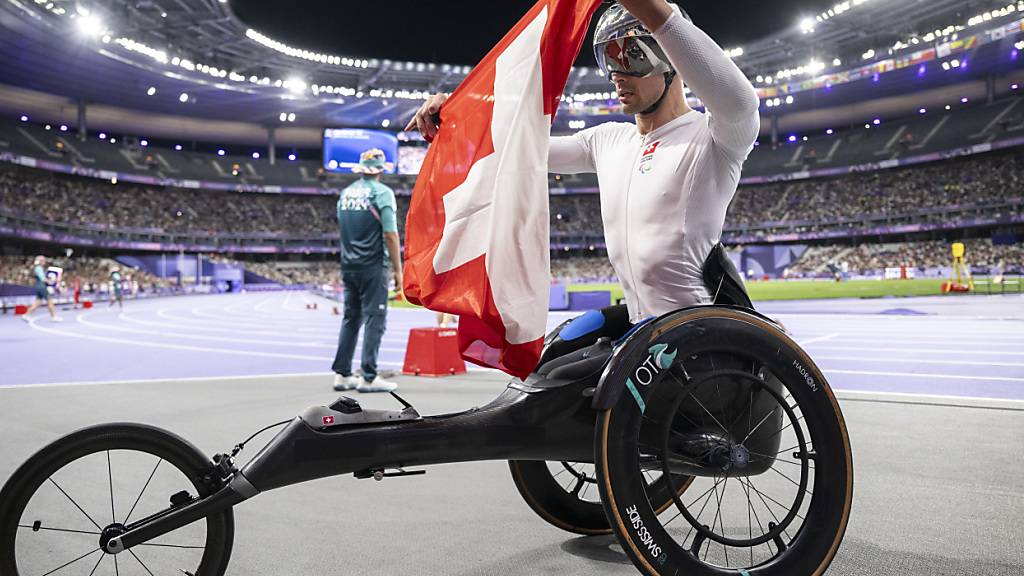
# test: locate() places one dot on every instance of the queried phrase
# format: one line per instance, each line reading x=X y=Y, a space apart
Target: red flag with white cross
x=477 y=236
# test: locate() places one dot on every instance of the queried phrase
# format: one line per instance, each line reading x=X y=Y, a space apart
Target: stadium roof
x=113 y=53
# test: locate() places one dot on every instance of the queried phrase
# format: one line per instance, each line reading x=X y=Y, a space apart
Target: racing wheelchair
x=706 y=440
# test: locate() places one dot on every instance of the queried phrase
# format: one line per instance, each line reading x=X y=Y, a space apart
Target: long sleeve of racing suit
x=710 y=74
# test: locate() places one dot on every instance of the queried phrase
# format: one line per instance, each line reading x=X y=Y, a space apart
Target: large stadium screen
x=342 y=147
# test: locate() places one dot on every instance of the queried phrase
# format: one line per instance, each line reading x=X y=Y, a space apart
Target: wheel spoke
x=66 y=564
x=791 y=481
x=148 y=480
x=34 y=528
x=52 y=481
x=769 y=508
x=763 y=420
x=777 y=503
x=110 y=477
x=102 y=556
x=171 y=545
x=699 y=403
x=143 y=564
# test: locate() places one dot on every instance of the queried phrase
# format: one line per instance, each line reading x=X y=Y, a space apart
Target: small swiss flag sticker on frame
x=327 y=420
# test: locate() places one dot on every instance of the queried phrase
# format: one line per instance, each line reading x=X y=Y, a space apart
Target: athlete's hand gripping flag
x=477 y=229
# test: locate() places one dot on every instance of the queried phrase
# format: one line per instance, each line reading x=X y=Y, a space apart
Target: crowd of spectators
x=310 y=273
x=981 y=181
x=874 y=258
x=583 y=269
x=92 y=274
x=948 y=186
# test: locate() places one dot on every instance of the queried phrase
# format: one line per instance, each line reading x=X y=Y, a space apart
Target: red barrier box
x=433 y=352
x=20 y=309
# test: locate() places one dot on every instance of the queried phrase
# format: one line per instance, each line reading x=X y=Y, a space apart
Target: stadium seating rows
x=989 y=184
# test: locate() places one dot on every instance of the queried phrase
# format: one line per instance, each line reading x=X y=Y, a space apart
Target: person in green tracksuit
x=369 y=244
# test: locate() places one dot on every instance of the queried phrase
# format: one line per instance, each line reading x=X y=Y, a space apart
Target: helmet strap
x=669 y=77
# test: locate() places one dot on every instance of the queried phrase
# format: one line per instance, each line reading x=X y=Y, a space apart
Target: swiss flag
x=477 y=229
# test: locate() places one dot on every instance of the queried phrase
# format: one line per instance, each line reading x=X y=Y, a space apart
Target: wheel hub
x=109 y=533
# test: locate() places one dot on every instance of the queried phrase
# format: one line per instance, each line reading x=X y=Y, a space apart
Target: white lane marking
x=948 y=351
x=919 y=375
x=918 y=360
x=178 y=346
x=927 y=335
x=818 y=339
x=939 y=399
x=326 y=375
x=397 y=333
x=164 y=333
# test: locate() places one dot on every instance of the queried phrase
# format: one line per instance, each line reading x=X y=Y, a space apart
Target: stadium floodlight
x=294 y=85
x=291 y=157
x=113 y=140
x=221 y=152
x=90 y=25
x=868 y=126
x=829 y=131
x=255 y=155
x=47 y=127
x=964 y=100
x=921 y=70
x=837 y=62
x=876 y=121
x=177 y=147
x=792 y=137
x=24 y=118
x=1014 y=86
x=945 y=66
x=954 y=63
x=151 y=91
x=113 y=179
x=807 y=25
x=63 y=127
x=789 y=99
x=948 y=107
x=103 y=135
x=805 y=138
x=283 y=117
x=143 y=142
x=385 y=123
x=922 y=111
x=868 y=55
x=291 y=116
x=183 y=97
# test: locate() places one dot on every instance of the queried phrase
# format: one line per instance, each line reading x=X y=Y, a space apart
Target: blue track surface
x=971 y=346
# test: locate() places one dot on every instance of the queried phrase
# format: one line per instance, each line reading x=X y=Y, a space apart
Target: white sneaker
x=343 y=383
x=378 y=385
x=56 y=319
x=26 y=318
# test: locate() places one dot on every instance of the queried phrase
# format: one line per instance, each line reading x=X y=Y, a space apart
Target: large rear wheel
x=726 y=397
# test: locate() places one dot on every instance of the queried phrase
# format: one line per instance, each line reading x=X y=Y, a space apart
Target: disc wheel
x=58 y=505
x=728 y=397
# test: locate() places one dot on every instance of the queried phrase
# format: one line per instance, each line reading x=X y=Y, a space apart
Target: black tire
x=729 y=353
x=563 y=506
x=573 y=502
x=64 y=473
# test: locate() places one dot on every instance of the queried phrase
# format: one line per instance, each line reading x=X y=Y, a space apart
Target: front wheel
x=60 y=504
x=728 y=398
